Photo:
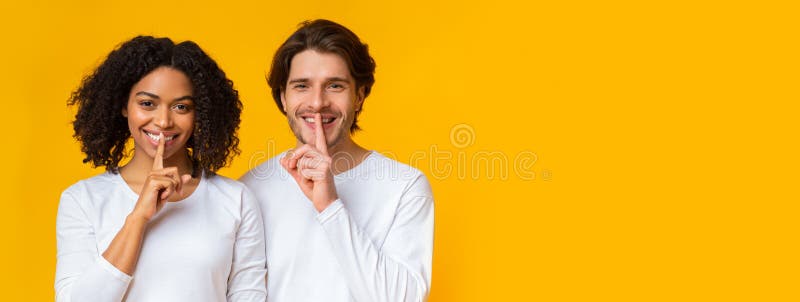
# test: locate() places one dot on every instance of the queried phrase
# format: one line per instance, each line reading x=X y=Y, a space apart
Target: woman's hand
x=161 y=186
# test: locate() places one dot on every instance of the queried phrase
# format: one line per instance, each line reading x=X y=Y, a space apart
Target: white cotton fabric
x=373 y=244
x=207 y=247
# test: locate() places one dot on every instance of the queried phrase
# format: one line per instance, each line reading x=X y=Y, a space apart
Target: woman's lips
x=152 y=136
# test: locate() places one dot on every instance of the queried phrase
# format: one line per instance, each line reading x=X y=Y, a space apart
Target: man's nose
x=319 y=100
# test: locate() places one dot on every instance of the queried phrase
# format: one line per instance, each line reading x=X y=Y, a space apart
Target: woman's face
x=161 y=102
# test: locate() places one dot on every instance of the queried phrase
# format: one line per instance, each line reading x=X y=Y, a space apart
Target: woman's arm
x=247 y=280
x=81 y=274
x=123 y=252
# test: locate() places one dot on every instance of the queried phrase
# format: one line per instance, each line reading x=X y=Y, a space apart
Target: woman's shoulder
x=223 y=182
x=101 y=181
x=217 y=184
x=228 y=193
x=96 y=192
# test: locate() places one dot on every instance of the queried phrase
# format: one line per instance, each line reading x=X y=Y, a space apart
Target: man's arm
x=400 y=269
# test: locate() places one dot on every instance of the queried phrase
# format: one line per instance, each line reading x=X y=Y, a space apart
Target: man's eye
x=300 y=86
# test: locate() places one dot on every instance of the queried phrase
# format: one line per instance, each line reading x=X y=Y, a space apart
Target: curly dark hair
x=103 y=131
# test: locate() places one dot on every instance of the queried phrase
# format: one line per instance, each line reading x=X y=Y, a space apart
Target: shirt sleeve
x=82 y=274
x=247 y=281
x=400 y=269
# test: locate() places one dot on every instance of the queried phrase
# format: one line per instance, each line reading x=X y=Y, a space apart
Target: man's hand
x=310 y=165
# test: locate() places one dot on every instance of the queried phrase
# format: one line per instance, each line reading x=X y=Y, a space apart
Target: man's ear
x=283 y=100
x=359 y=99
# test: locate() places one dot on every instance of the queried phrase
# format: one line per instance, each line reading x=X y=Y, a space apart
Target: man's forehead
x=313 y=65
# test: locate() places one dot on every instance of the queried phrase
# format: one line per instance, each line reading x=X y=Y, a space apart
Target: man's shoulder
x=382 y=175
x=264 y=172
x=381 y=162
x=387 y=170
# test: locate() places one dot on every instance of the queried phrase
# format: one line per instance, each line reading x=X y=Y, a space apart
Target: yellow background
x=665 y=134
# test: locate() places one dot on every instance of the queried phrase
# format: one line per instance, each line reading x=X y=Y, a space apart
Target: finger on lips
x=174 y=180
x=301 y=162
x=321 y=143
x=158 y=159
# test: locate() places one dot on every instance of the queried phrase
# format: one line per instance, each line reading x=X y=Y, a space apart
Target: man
x=342 y=223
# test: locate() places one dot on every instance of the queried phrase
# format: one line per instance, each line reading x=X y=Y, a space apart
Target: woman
x=162 y=227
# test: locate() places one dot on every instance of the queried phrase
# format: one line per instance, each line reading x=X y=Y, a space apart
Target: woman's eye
x=146 y=103
x=181 y=107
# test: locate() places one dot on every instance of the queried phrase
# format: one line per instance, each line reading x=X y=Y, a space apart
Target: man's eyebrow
x=331 y=79
x=299 y=80
x=338 y=79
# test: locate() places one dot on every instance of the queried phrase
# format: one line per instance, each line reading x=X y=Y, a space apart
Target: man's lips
x=325 y=120
x=329 y=119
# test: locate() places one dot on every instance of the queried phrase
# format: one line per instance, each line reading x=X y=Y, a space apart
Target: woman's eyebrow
x=148 y=94
x=185 y=97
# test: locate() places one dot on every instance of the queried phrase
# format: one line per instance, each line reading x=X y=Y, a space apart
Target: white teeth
x=324 y=121
x=155 y=137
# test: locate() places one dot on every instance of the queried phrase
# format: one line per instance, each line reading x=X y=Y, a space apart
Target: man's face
x=321 y=82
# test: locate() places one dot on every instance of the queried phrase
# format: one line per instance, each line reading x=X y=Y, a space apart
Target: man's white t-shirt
x=373 y=244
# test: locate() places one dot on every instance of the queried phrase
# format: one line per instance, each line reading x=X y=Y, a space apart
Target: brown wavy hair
x=327 y=37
